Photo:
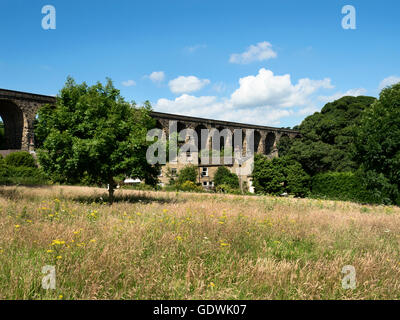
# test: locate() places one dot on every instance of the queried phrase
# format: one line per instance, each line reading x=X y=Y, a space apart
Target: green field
x=152 y=245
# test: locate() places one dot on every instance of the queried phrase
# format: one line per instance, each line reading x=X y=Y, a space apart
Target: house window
x=188 y=154
x=204 y=172
x=205 y=183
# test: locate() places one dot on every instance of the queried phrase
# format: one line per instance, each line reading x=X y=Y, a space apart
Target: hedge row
x=20 y=168
x=346 y=186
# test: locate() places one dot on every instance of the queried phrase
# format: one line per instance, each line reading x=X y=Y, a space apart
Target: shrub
x=3 y=171
x=188 y=173
x=22 y=175
x=190 y=186
x=280 y=175
x=224 y=177
x=226 y=188
x=351 y=186
x=336 y=185
x=20 y=159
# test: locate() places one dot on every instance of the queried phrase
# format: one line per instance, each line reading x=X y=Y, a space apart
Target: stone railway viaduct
x=18 y=111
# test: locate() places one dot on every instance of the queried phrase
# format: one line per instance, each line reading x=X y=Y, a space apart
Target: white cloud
x=262 y=99
x=259 y=52
x=267 y=89
x=388 y=82
x=157 y=76
x=219 y=87
x=212 y=107
x=129 y=83
x=187 y=84
x=352 y=92
x=194 y=48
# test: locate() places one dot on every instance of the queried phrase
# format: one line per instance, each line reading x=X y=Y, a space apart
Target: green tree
x=284 y=145
x=93 y=133
x=377 y=145
x=328 y=136
x=188 y=173
x=223 y=176
x=280 y=175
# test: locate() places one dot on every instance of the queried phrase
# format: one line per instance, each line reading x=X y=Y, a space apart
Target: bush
x=188 y=173
x=190 y=186
x=224 y=177
x=3 y=171
x=22 y=175
x=17 y=168
x=280 y=175
x=336 y=185
x=351 y=186
x=226 y=188
x=20 y=159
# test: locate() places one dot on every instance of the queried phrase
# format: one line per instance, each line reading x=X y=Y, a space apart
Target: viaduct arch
x=18 y=111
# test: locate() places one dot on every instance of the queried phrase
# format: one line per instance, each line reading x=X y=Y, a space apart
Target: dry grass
x=193 y=246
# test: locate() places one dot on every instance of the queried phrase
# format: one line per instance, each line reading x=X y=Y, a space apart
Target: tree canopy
x=279 y=175
x=92 y=133
x=328 y=136
x=377 y=145
x=223 y=176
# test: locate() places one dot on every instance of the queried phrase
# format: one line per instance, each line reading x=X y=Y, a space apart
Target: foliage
x=348 y=186
x=19 y=169
x=284 y=145
x=190 y=186
x=227 y=188
x=279 y=175
x=328 y=136
x=188 y=173
x=224 y=177
x=20 y=159
x=10 y=175
x=3 y=167
x=93 y=132
x=377 y=145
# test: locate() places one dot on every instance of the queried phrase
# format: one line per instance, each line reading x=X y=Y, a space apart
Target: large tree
x=93 y=134
x=328 y=136
x=377 y=145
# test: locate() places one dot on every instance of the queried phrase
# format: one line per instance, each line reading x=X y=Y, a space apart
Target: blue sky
x=263 y=62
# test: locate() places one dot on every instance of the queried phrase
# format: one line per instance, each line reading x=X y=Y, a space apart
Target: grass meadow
x=155 y=245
